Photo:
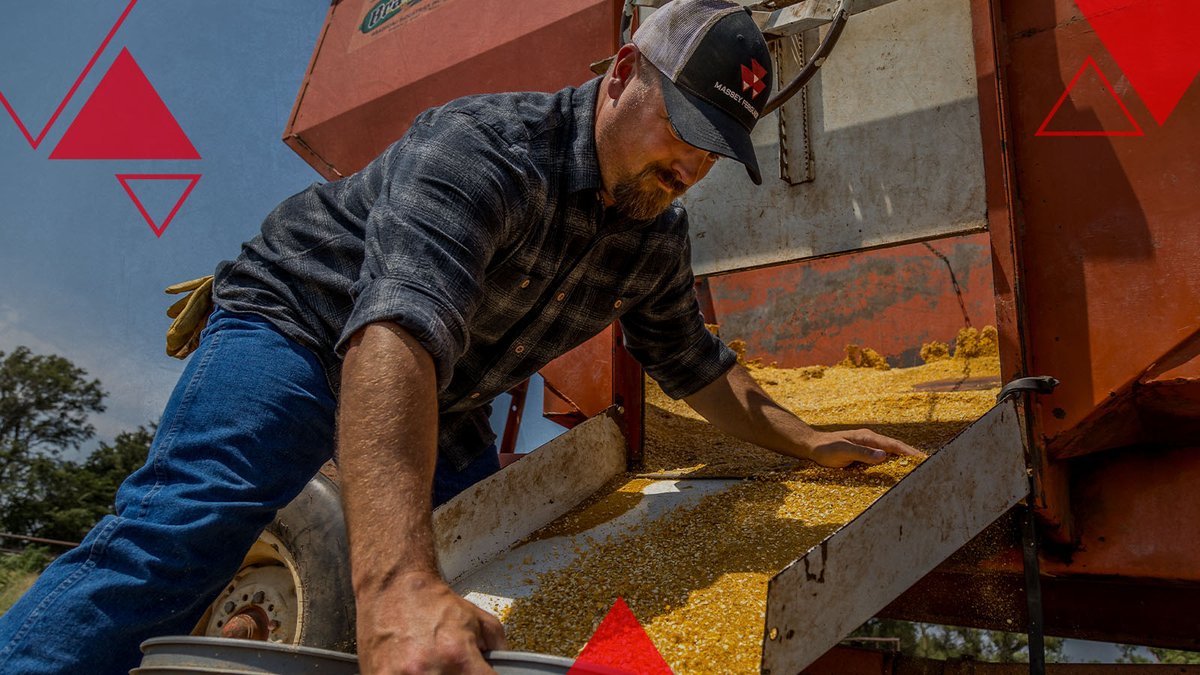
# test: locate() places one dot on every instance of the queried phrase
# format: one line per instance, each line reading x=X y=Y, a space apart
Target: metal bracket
x=1039 y=384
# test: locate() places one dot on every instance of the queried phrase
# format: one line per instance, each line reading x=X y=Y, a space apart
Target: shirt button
x=525 y=284
x=617 y=304
x=560 y=297
x=519 y=349
x=475 y=395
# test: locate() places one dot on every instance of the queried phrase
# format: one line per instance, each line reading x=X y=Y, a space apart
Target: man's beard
x=641 y=197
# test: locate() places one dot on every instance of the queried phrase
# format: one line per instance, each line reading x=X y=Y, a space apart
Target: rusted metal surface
x=249 y=624
x=629 y=395
x=512 y=425
x=1107 y=235
x=1139 y=515
x=363 y=89
x=903 y=535
x=1090 y=608
x=892 y=300
x=579 y=383
x=1092 y=243
x=495 y=513
x=895 y=145
x=849 y=660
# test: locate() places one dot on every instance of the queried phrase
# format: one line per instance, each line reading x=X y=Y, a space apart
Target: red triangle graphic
x=620 y=645
x=191 y=178
x=35 y=142
x=1154 y=42
x=124 y=119
x=1044 y=130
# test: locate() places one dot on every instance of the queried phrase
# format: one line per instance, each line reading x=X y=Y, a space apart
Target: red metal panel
x=1138 y=513
x=363 y=90
x=851 y=661
x=892 y=300
x=1109 y=229
x=579 y=383
x=629 y=392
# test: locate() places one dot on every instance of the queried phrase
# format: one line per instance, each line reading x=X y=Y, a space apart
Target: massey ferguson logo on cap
x=752 y=78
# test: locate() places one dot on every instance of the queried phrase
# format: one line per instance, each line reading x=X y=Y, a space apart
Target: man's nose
x=692 y=164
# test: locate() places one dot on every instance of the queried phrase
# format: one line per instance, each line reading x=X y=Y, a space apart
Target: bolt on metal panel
x=947 y=500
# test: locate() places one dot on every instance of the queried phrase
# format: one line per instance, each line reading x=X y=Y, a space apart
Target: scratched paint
x=892 y=300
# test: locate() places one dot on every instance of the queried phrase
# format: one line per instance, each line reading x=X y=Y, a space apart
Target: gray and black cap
x=716 y=73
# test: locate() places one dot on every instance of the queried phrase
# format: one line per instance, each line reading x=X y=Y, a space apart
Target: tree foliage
x=63 y=500
x=949 y=643
x=1136 y=654
x=45 y=402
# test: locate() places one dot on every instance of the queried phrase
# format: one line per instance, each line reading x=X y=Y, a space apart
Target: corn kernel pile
x=697 y=579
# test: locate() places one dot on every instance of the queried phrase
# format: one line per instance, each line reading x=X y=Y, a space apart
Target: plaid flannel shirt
x=482 y=233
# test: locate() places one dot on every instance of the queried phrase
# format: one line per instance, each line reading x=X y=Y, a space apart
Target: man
x=497 y=234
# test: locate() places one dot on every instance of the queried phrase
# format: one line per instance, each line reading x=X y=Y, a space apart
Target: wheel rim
x=263 y=601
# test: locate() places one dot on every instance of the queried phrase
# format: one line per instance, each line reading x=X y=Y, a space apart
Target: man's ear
x=622 y=72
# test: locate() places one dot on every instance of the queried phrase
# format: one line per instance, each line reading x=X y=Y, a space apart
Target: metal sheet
x=895 y=142
x=492 y=515
x=939 y=507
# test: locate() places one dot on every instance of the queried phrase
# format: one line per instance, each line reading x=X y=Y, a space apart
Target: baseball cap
x=716 y=74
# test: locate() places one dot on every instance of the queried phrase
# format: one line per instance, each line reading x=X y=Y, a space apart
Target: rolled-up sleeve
x=667 y=335
x=449 y=191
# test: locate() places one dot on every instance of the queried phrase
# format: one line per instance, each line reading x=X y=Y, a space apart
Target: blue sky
x=81 y=272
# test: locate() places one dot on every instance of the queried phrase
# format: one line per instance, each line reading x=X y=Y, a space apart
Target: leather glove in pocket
x=190 y=314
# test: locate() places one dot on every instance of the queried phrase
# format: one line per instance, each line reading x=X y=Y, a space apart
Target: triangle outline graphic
x=620 y=646
x=35 y=142
x=1089 y=61
x=124 y=118
x=158 y=229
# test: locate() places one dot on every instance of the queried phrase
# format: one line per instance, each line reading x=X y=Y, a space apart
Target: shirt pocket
x=508 y=294
x=599 y=307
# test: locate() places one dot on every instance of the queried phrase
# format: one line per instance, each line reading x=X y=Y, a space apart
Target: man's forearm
x=736 y=405
x=387 y=448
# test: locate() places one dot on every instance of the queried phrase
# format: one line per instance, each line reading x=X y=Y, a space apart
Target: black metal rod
x=1033 y=592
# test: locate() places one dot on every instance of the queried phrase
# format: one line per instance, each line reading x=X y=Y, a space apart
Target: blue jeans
x=249 y=423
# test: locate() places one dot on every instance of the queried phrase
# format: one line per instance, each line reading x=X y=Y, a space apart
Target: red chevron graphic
x=35 y=142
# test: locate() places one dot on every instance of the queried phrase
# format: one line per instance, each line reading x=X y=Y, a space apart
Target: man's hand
x=838 y=449
x=736 y=405
x=420 y=625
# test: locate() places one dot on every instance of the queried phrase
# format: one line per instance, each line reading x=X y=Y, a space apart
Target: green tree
x=63 y=500
x=1136 y=654
x=45 y=402
x=934 y=641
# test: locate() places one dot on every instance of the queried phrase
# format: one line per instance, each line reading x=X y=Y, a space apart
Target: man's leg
x=249 y=423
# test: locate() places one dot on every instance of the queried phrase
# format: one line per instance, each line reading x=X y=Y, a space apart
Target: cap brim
x=705 y=126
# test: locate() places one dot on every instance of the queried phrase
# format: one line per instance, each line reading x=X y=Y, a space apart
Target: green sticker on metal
x=382 y=11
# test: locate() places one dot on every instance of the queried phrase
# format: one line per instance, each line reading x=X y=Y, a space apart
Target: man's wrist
x=407 y=577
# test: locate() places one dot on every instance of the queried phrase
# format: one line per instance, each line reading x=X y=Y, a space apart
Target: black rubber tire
x=313 y=528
